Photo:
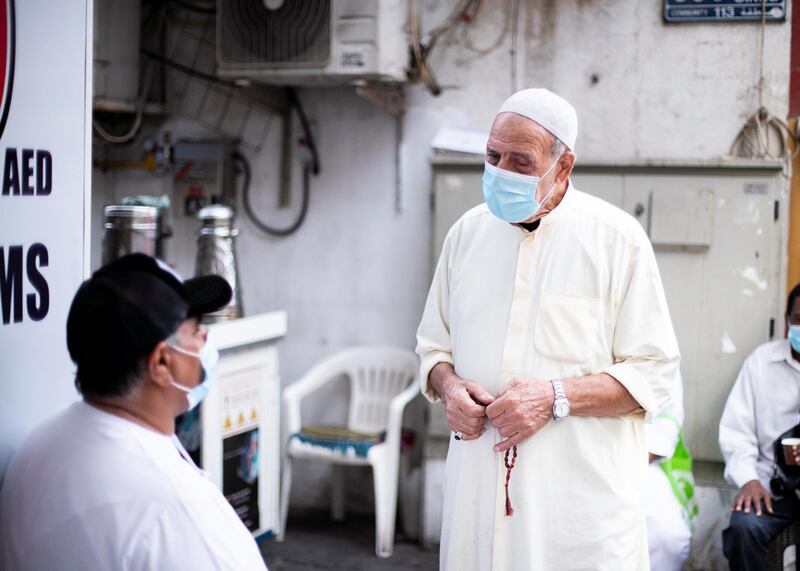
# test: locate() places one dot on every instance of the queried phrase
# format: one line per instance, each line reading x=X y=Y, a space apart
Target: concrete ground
x=314 y=542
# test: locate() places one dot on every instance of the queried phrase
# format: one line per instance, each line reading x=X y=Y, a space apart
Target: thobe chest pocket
x=567 y=327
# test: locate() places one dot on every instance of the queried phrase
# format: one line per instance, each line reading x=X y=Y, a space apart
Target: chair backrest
x=377 y=375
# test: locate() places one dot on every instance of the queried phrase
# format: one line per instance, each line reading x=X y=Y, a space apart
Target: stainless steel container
x=129 y=229
x=164 y=232
x=216 y=255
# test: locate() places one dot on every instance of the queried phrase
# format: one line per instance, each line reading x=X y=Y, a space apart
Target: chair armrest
x=292 y=395
x=396 y=408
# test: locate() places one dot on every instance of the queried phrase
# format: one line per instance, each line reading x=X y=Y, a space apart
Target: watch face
x=561 y=409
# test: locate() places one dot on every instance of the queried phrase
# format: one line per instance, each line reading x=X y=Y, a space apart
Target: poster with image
x=240 y=457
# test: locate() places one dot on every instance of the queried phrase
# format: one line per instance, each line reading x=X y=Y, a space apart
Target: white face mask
x=512 y=196
x=208 y=357
x=794 y=336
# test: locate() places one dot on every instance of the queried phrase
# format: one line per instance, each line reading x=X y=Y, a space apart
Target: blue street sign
x=723 y=10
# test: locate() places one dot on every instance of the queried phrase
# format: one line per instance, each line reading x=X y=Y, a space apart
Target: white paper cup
x=788 y=452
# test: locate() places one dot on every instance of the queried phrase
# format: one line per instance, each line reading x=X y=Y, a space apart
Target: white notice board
x=45 y=149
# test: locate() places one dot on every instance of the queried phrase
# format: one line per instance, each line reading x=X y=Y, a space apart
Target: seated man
x=669 y=510
x=763 y=404
x=105 y=484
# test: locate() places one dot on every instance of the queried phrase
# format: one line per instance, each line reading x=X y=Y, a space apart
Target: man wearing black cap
x=106 y=484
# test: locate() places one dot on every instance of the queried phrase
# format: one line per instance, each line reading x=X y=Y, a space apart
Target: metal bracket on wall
x=275 y=99
x=392 y=100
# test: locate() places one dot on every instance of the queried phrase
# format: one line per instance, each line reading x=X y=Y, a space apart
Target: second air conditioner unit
x=306 y=42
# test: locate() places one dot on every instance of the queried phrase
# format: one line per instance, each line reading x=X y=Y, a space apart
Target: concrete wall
x=358 y=270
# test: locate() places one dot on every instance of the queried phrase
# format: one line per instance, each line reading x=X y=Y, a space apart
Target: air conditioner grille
x=296 y=33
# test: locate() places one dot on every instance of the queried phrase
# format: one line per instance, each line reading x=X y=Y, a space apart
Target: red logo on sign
x=7 y=37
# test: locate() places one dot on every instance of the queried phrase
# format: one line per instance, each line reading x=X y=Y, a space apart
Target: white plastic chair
x=383 y=382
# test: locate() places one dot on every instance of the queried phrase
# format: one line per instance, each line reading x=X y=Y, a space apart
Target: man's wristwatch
x=561 y=404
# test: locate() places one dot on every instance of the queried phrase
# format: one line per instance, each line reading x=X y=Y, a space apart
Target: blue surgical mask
x=794 y=337
x=208 y=356
x=512 y=196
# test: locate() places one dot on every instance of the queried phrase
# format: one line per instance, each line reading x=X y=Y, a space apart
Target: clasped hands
x=518 y=411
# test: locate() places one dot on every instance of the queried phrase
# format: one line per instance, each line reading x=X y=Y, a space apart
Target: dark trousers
x=745 y=541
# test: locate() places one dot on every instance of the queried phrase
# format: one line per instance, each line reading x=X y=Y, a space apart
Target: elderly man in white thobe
x=547 y=336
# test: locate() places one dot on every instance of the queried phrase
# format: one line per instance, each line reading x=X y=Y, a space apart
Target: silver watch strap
x=558 y=389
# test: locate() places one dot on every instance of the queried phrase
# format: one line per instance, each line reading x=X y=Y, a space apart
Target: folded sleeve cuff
x=640 y=390
x=739 y=474
x=427 y=363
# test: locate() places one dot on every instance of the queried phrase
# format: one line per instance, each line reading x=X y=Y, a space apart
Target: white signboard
x=45 y=149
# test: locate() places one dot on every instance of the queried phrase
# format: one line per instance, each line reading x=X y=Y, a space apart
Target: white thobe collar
x=553 y=215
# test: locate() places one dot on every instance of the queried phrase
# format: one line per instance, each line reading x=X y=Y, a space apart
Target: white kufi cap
x=552 y=112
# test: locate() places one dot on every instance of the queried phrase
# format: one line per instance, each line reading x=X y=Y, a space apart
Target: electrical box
x=719 y=233
x=308 y=42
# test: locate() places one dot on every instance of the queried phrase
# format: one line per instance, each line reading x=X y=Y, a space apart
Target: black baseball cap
x=129 y=306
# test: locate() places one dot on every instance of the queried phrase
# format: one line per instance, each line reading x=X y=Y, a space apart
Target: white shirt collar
x=783 y=352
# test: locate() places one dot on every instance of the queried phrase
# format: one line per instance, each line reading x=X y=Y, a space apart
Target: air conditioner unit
x=306 y=42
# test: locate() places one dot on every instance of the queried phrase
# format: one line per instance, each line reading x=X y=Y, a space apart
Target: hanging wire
x=515 y=49
x=198 y=8
x=465 y=36
x=251 y=213
x=420 y=69
x=463 y=14
x=141 y=100
x=762 y=35
x=764 y=135
x=460 y=13
x=312 y=167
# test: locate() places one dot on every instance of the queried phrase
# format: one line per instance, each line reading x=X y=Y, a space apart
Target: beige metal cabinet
x=719 y=232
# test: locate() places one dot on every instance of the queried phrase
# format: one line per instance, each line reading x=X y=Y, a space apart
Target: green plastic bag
x=679 y=473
